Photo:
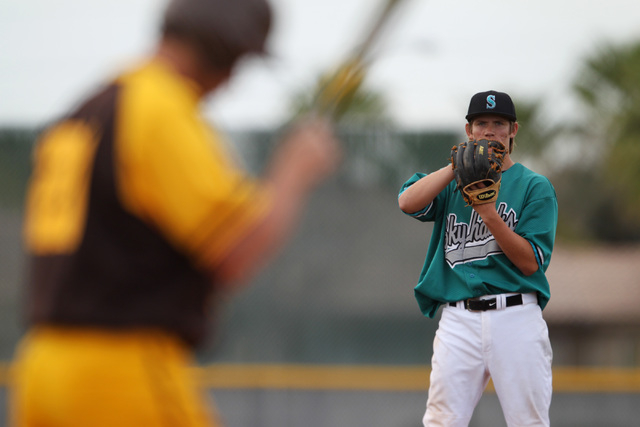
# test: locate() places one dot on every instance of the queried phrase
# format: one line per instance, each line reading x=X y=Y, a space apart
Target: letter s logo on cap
x=491 y=102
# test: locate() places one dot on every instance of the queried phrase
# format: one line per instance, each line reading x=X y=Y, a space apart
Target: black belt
x=488 y=304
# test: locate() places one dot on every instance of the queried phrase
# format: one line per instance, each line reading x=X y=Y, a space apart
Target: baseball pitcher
x=494 y=230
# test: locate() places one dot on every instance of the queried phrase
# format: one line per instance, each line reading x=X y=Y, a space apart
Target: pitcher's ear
x=467 y=129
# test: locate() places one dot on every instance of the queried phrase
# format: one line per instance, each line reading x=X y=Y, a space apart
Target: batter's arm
x=515 y=247
x=308 y=154
x=423 y=192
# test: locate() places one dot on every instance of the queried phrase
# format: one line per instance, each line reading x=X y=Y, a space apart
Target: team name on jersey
x=473 y=241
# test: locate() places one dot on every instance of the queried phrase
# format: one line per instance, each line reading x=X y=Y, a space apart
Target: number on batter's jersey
x=58 y=194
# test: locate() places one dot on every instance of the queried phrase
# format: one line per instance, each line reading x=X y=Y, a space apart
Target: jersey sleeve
x=181 y=178
x=539 y=220
x=429 y=212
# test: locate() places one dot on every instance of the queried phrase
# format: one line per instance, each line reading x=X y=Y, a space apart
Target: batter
x=486 y=266
x=140 y=223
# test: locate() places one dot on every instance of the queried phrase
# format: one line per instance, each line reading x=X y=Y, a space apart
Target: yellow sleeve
x=177 y=175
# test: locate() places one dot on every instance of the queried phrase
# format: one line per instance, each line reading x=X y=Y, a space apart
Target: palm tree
x=608 y=87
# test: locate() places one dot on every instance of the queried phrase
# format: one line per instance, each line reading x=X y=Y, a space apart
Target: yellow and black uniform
x=130 y=196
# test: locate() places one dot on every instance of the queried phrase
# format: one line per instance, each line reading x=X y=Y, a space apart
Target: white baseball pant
x=510 y=345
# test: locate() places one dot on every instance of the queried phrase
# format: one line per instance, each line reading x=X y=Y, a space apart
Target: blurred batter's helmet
x=224 y=30
x=492 y=102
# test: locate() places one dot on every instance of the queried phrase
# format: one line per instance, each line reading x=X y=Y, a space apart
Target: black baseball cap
x=492 y=102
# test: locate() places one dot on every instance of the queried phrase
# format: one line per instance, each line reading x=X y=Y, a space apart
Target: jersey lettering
x=472 y=242
x=57 y=201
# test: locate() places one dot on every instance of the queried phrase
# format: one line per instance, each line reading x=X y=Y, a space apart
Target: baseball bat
x=336 y=92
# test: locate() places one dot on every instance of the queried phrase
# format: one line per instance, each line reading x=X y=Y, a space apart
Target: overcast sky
x=433 y=57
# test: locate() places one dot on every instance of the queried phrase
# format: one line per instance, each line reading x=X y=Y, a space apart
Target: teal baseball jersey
x=464 y=260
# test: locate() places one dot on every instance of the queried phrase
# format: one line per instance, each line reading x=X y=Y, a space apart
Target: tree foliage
x=537 y=134
x=365 y=108
x=608 y=89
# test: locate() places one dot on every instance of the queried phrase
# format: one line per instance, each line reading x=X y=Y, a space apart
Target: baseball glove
x=477 y=166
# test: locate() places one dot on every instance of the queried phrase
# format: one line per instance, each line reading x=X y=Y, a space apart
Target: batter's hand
x=310 y=150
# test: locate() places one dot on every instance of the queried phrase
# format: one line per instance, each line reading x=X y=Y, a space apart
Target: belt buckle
x=468 y=305
x=492 y=304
